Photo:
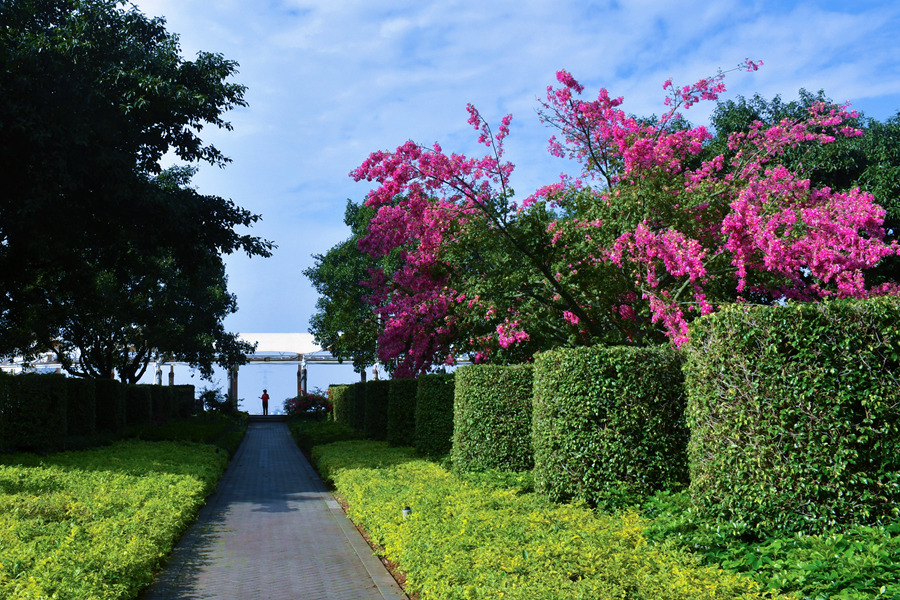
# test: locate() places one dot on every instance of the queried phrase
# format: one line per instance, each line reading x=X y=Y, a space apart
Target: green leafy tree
x=344 y=321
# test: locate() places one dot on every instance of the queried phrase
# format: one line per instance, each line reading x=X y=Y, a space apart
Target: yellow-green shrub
x=97 y=524
x=465 y=541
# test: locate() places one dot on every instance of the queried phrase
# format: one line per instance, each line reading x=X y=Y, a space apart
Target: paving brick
x=272 y=531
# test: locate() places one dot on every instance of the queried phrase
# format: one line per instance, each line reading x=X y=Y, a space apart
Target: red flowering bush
x=311 y=405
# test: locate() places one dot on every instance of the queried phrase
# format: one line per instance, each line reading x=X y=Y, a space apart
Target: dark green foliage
x=377 y=394
x=401 y=425
x=492 y=418
x=138 y=405
x=357 y=396
x=163 y=397
x=81 y=412
x=110 y=396
x=609 y=423
x=183 y=401
x=338 y=394
x=32 y=412
x=793 y=415
x=434 y=414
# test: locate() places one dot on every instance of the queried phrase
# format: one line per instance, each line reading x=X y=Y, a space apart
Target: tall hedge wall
x=608 y=421
x=138 y=405
x=111 y=413
x=32 y=412
x=357 y=396
x=794 y=414
x=81 y=413
x=377 y=395
x=341 y=403
x=401 y=425
x=183 y=400
x=492 y=418
x=163 y=398
x=434 y=414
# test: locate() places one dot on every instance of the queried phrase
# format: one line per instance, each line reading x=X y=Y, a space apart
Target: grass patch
x=315 y=433
x=97 y=524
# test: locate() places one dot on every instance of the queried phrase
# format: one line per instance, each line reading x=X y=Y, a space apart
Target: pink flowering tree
x=648 y=237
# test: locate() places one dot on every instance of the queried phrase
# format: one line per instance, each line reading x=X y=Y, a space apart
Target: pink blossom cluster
x=746 y=224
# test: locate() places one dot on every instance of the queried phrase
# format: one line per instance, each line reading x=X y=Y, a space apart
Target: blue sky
x=332 y=80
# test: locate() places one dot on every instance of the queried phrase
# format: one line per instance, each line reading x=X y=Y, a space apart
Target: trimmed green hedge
x=81 y=401
x=609 y=422
x=110 y=405
x=492 y=418
x=138 y=405
x=794 y=414
x=343 y=411
x=377 y=394
x=434 y=414
x=401 y=425
x=33 y=412
x=183 y=400
x=357 y=396
x=163 y=397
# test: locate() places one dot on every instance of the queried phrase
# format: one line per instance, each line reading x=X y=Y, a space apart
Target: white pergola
x=286 y=348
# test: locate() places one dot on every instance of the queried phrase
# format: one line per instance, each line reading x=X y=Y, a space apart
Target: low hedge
x=401 y=424
x=492 y=418
x=434 y=414
x=793 y=412
x=308 y=434
x=462 y=540
x=377 y=395
x=609 y=424
x=33 y=411
x=357 y=397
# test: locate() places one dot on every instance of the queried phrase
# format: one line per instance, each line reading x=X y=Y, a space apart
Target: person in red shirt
x=265 y=400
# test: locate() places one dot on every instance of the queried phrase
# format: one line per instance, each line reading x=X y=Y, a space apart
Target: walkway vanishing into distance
x=272 y=531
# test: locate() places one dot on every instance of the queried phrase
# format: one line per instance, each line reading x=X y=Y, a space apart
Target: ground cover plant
x=97 y=524
x=854 y=564
x=466 y=539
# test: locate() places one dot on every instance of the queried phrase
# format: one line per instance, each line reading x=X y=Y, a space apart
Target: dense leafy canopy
x=99 y=250
x=776 y=201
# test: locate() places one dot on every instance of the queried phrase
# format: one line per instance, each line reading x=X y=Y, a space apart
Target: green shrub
x=343 y=411
x=110 y=395
x=33 y=412
x=377 y=394
x=308 y=434
x=138 y=405
x=609 y=423
x=401 y=424
x=492 y=418
x=97 y=525
x=434 y=414
x=81 y=412
x=462 y=540
x=793 y=414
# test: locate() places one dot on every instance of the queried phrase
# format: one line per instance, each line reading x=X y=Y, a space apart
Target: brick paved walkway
x=272 y=532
